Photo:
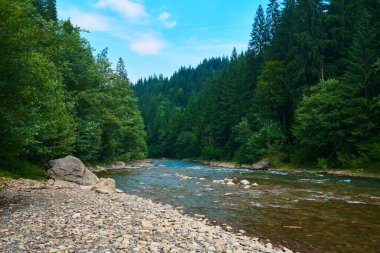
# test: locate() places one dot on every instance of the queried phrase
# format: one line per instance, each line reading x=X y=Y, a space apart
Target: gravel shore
x=37 y=217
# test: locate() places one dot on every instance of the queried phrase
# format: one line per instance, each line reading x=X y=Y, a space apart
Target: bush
x=22 y=169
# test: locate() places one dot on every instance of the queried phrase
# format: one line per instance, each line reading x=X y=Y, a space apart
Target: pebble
x=76 y=215
x=50 y=219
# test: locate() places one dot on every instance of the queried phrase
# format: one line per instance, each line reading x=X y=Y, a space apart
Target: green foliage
x=170 y=108
x=37 y=122
x=322 y=163
x=187 y=145
x=22 y=169
x=361 y=59
x=266 y=142
x=260 y=35
x=56 y=99
x=272 y=17
x=46 y=8
x=273 y=100
x=330 y=121
x=88 y=143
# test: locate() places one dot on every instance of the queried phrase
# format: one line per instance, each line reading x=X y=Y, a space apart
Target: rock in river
x=244 y=182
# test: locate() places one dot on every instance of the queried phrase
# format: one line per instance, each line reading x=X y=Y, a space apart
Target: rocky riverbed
x=39 y=217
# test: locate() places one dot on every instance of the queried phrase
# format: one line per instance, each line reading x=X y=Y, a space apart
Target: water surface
x=305 y=212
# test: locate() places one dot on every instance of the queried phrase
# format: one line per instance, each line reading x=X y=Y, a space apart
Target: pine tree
x=120 y=69
x=272 y=17
x=234 y=55
x=299 y=43
x=339 y=32
x=40 y=6
x=51 y=10
x=260 y=33
x=361 y=57
x=104 y=66
x=271 y=99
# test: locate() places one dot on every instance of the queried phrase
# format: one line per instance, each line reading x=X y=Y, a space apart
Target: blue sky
x=159 y=36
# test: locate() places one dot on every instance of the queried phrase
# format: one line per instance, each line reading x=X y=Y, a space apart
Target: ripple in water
x=331 y=214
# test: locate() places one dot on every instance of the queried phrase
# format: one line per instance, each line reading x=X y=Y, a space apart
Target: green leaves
x=37 y=121
x=55 y=98
x=273 y=100
x=261 y=32
x=330 y=120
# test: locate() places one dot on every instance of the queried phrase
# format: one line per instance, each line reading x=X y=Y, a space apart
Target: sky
x=160 y=36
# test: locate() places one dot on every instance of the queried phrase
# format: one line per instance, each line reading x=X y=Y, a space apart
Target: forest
x=56 y=98
x=306 y=92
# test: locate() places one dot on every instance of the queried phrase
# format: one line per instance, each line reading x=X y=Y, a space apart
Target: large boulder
x=105 y=186
x=71 y=169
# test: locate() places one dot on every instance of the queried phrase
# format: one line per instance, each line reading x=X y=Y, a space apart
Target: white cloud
x=142 y=38
x=90 y=21
x=126 y=8
x=170 y=24
x=147 y=44
x=164 y=18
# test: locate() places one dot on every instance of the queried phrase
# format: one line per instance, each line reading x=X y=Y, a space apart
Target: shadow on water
x=305 y=212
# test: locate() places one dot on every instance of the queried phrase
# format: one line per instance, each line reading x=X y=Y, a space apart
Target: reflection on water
x=306 y=212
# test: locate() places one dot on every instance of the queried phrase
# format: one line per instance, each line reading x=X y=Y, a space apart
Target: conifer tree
x=234 y=55
x=51 y=10
x=260 y=33
x=361 y=57
x=39 y=6
x=272 y=17
x=120 y=69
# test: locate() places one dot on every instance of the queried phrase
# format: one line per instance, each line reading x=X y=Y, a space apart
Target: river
x=304 y=212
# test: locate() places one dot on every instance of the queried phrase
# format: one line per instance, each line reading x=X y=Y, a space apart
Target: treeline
x=305 y=92
x=164 y=105
x=56 y=98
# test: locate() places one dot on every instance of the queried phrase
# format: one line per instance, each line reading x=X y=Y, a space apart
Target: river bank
x=120 y=165
x=37 y=217
x=264 y=165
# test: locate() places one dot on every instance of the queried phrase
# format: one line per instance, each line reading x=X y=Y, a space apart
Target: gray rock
x=64 y=184
x=86 y=187
x=76 y=215
x=262 y=165
x=105 y=186
x=244 y=182
x=146 y=224
x=71 y=169
x=199 y=216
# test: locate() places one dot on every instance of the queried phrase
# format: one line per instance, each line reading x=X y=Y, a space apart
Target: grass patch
x=22 y=169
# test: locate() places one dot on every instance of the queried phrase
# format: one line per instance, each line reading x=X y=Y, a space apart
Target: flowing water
x=304 y=212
